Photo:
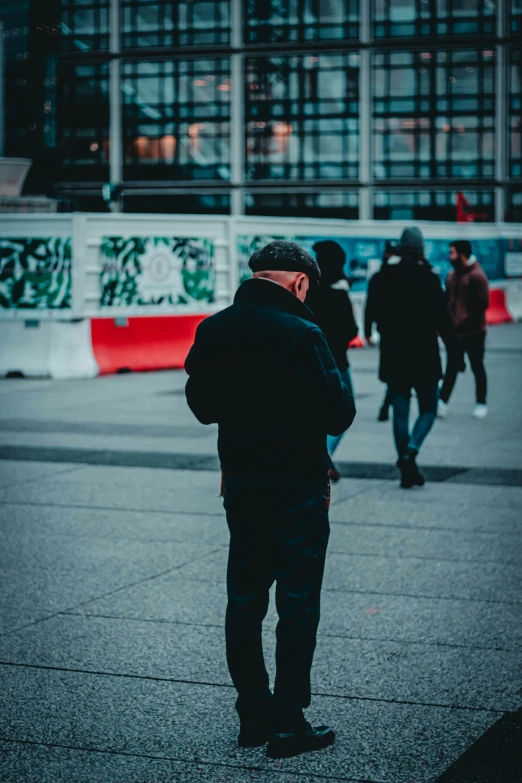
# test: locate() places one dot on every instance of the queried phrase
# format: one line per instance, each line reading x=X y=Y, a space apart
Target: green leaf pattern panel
x=36 y=273
x=161 y=271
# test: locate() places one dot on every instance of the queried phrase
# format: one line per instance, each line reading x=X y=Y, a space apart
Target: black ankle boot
x=410 y=473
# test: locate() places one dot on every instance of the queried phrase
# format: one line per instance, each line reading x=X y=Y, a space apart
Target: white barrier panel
x=56 y=349
x=514 y=298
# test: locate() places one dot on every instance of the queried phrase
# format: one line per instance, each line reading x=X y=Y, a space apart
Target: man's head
x=287 y=264
x=460 y=253
x=331 y=259
x=411 y=243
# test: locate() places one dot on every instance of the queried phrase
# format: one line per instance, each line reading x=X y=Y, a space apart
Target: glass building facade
x=359 y=109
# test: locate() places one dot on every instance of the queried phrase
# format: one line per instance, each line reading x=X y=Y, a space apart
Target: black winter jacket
x=407 y=303
x=334 y=314
x=262 y=370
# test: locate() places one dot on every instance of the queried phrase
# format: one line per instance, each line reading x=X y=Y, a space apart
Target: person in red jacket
x=467 y=289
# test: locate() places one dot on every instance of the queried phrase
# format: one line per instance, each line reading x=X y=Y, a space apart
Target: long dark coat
x=408 y=305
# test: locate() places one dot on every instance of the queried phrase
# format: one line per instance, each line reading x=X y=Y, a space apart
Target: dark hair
x=463 y=247
x=331 y=259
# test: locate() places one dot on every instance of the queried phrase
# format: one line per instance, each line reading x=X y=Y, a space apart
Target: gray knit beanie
x=411 y=241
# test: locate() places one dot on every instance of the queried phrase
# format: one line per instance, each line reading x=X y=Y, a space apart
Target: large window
x=434 y=114
x=155 y=23
x=516 y=16
x=301 y=20
x=433 y=17
x=302 y=117
x=81 y=134
x=430 y=205
x=188 y=203
x=515 y=114
x=84 y=24
x=176 y=119
x=331 y=204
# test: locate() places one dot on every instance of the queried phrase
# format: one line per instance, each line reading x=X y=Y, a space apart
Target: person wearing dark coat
x=331 y=305
x=409 y=307
x=262 y=370
x=390 y=250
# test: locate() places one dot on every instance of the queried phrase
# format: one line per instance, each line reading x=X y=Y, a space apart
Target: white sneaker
x=480 y=411
x=442 y=409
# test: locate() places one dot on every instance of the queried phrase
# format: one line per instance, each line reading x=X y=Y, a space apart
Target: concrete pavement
x=112 y=592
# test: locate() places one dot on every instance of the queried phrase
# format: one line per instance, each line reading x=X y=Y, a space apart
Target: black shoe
x=410 y=473
x=284 y=746
x=384 y=414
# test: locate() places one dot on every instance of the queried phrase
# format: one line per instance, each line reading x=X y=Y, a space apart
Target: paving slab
x=42 y=573
x=392 y=575
x=14 y=473
x=40 y=763
x=398 y=618
x=29 y=522
x=354 y=668
x=408 y=511
x=376 y=740
x=171 y=491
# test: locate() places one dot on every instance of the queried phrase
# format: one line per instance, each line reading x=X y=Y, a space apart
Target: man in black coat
x=407 y=303
x=263 y=371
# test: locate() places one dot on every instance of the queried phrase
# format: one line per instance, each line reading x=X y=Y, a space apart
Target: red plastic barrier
x=145 y=343
x=497 y=312
x=356 y=343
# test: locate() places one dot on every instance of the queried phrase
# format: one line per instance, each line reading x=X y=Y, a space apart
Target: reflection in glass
x=157 y=23
x=515 y=114
x=84 y=26
x=516 y=16
x=395 y=18
x=302 y=116
x=434 y=114
x=176 y=115
x=82 y=116
x=301 y=20
x=343 y=205
x=428 y=205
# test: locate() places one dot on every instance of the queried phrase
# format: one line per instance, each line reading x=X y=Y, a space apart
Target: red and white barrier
x=143 y=343
x=101 y=346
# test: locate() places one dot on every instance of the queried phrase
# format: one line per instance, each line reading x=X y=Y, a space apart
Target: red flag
x=466 y=213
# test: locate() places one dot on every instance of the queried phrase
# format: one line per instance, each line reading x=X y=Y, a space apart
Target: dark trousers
x=279 y=532
x=474 y=346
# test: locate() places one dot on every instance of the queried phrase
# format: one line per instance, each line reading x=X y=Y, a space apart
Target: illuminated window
x=302 y=117
x=434 y=114
x=176 y=119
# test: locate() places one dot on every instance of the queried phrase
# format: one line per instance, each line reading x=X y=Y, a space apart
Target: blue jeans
x=332 y=441
x=428 y=397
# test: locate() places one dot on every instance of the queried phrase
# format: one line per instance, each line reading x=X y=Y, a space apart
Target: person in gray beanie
x=262 y=370
x=407 y=303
